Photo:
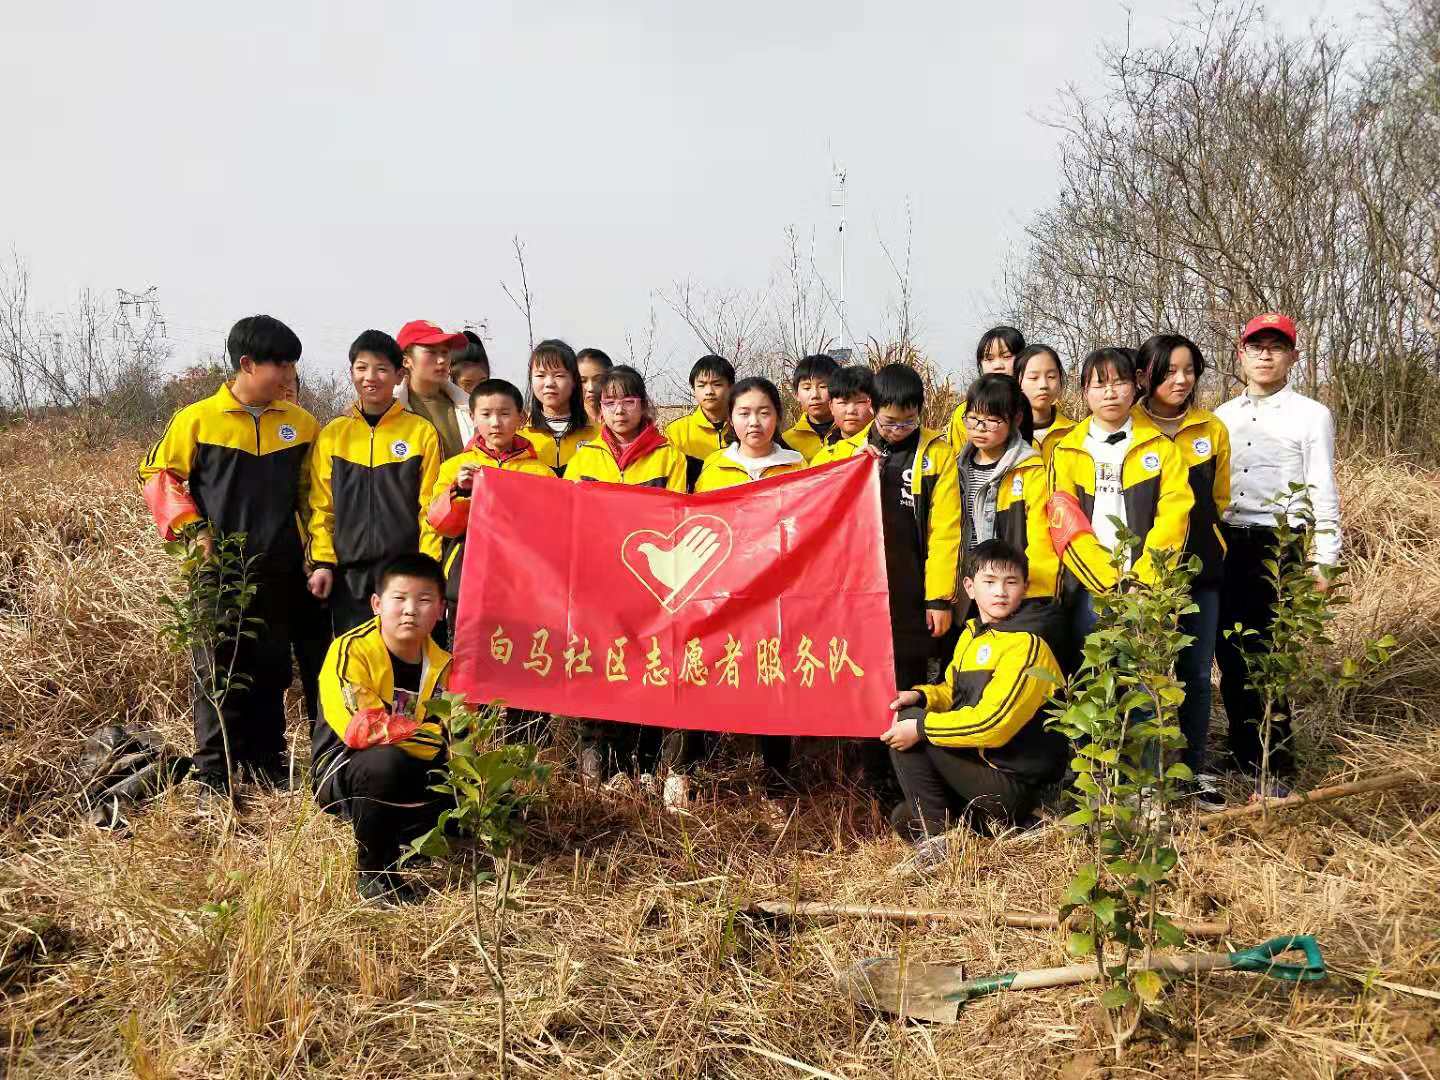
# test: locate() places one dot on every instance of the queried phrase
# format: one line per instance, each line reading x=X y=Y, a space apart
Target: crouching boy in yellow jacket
x=373 y=749
x=974 y=747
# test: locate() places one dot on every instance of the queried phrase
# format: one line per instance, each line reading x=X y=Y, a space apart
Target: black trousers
x=259 y=673
x=944 y=788
x=1247 y=598
x=384 y=792
x=350 y=598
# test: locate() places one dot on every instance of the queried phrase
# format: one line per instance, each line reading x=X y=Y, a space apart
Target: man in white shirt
x=1277 y=437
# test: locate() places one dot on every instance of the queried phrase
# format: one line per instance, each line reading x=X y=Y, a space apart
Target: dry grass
x=184 y=951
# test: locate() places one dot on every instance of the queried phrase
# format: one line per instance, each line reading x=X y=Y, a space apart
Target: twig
x=1021 y=919
x=1318 y=795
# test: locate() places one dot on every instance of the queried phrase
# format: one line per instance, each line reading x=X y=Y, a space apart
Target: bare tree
x=729 y=323
x=525 y=302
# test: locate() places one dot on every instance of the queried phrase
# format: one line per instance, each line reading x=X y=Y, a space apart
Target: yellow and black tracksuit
x=383 y=790
x=1204 y=445
x=1058 y=428
x=235 y=471
x=984 y=754
x=839 y=447
x=697 y=438
x=1021 y=519
x=649 y=461
x=1155 y=489
x=722 y=471
x=369 y=484
x=449 y=511
x=805 y=438
x=557 y=450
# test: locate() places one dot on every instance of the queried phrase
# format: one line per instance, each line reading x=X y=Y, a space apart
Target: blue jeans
x=1192 y=668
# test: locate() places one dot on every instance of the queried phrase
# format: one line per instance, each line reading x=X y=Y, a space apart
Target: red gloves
x=169 y=502
x=1067 y=521
x=376 y=727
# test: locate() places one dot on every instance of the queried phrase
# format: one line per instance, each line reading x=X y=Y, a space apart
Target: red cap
x=424 y=332
x=1271 y=320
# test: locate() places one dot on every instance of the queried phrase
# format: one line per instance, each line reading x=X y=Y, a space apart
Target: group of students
x=1006 y=522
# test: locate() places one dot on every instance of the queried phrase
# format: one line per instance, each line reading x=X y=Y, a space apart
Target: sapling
x=1119 y=710
x=209 y=618
x=1287 y=667
x=491 y=783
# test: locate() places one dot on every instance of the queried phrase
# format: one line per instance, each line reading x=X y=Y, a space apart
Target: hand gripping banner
x=757 y=609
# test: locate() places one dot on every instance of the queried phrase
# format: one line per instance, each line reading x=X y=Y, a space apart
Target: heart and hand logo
x=674 y=566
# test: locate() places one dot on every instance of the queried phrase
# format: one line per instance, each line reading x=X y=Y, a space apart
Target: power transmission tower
x=139 y=323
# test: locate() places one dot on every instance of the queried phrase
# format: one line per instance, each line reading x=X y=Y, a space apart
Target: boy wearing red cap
x=1277 y=438
x=427 y=390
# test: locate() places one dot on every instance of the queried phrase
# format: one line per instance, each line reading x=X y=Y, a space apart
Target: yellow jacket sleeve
x=1009 y=702
x=1222 y=468
x=346 y=687
x=321 y=503
x=1085 y=556
x=675 y=479
x=164 y=471
x=1039 y=551
x=1172 y=514
x=956 y=431
x=430 y=454
x=942 y=548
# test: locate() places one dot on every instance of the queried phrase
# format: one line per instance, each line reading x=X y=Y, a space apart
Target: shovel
x=936 y=992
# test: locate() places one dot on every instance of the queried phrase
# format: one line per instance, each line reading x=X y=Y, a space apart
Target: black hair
x=557 y=353
x=771 y=391
x=492 y=387
x=899 y=386
x=857 y=380
x=1008 y=336
x=473 y=353
x=1154 y=362
x=600 y=356
x=263 y=338
x=1025 y=355
x=412 y=564
x=1000 y=395
x=624 y=381
x=713 y=365
x=378 y=343
x=999 y=553
x=1117 y=361
x=818 y=366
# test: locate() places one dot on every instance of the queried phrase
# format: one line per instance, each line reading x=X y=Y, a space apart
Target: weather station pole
x=837 y=201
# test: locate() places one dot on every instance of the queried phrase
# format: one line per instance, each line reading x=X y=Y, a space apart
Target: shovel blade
x=917 y=991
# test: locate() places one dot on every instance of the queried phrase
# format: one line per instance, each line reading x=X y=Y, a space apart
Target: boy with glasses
x=1277 y=438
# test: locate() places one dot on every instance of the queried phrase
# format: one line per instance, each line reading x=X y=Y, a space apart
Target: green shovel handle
x=1261 y=959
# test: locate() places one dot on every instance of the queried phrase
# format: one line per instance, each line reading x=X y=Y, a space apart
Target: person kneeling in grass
x=974 y=748
x=373 y=748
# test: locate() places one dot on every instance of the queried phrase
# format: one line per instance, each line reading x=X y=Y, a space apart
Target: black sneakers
x=384 y=888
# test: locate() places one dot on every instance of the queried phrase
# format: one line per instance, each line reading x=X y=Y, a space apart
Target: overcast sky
x=355 y=165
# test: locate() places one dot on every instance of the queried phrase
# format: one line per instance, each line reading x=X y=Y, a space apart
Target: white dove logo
x=672 y=570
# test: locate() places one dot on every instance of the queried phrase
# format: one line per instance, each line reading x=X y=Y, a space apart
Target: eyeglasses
x=1256 y=348
x=1117 y=387
x=983 y=423
x=898 y=426
x=620 y=404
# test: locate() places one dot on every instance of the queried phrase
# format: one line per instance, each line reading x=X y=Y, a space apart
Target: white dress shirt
x=1276 y=441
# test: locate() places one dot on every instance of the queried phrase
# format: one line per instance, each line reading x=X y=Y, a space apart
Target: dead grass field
x=187 y=951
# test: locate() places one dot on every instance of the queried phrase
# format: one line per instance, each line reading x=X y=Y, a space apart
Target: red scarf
x=519 y=448
x=646 y=442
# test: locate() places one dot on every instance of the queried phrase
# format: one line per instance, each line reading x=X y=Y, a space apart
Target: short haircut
x=263 y=338
x=1011 y=338
x=1155 y=356
x=1000 y=395
x=378 y=343
x=818 y=366
x=1025 y=355
x=857 y=380
x=600 y=356
x=473 y=353
x=899 y=386
x=412 y=564
x=765 y=386
x=714 y=366
x=494 y=387
x=997 y=553
x=625 y=381
x=1113 y=361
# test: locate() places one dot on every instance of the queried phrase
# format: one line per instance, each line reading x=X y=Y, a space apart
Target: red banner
x=758 y=609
